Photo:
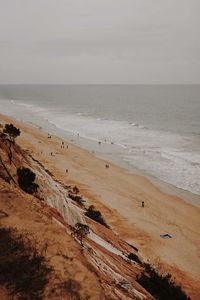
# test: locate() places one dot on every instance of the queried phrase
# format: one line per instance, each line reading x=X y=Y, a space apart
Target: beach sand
x=118 y=194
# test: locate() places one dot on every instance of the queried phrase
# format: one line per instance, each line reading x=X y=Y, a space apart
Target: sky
x=100 y=41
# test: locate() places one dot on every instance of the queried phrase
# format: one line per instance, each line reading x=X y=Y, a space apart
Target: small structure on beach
x=166 y=236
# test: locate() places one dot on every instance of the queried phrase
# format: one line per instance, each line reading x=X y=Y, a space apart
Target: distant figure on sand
x=142 y=203
x=107 y=166
x=66 y=170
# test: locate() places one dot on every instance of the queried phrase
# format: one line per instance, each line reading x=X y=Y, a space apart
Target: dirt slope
x=98 y=268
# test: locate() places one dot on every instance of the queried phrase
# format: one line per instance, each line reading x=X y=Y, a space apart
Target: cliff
x=92 y=264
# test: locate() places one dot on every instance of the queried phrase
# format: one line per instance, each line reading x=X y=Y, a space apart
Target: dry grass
x=23 y=270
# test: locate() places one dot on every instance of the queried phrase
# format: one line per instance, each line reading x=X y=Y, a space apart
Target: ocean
x=151 y=128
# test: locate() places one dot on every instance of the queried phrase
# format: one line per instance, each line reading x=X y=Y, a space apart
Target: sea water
x=154 y=128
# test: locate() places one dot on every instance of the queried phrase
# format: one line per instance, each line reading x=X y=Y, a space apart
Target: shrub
x=80 y=231
x=162 y=287
x=23 y=271
x=134 y=257
x=26 y=180
x=69 y=287
x=95 y=215
x=75 y=190
x=76 y=198
x=11 y=131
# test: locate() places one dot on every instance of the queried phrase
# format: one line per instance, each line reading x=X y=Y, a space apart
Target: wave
x=168 y=156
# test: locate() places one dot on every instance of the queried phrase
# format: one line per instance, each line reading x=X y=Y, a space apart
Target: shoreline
x=118 y=194
x=166 y=187
x=86 y=144
x=170 y=156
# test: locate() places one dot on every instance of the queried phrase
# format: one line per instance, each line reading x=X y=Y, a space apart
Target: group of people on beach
x=66 y=170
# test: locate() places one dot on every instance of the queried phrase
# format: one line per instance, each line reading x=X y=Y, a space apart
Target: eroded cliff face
x=99 y=269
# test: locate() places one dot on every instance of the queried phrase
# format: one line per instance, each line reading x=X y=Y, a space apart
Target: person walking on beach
x=142 y=203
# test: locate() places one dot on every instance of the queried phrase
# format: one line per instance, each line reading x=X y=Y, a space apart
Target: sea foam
x=168 y=156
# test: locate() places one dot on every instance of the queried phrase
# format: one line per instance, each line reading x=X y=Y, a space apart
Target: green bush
x=26 y=180
x=162 y=287
x=76 y=198
x=11 y=131
x=134 y=257
x=95 y=215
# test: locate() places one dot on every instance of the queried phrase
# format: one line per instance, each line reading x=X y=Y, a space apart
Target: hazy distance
x=99 y=41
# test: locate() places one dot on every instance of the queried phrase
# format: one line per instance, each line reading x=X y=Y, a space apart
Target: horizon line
x=100 y=83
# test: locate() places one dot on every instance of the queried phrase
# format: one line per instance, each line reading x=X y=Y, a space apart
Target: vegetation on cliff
x=161 y=286
x=26 y=179
x=95 y=215
x=23 y=269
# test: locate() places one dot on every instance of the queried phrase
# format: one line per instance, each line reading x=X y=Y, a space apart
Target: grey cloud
x=110 y=40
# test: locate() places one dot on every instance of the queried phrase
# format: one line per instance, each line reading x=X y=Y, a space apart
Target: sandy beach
x=118 y=193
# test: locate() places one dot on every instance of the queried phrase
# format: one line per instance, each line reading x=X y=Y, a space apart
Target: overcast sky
x=99 y=41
